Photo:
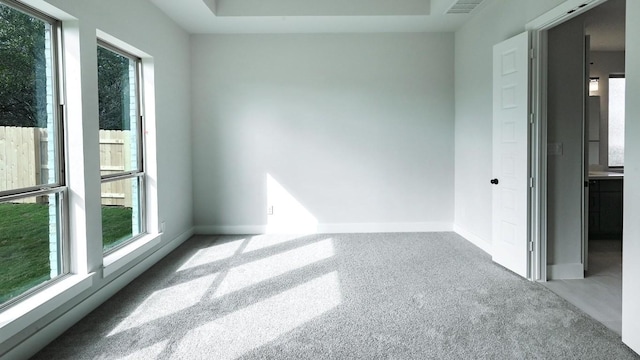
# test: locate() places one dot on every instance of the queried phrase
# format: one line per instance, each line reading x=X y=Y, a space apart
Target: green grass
x=24 y=243
x=24 y=247
x=116 y=225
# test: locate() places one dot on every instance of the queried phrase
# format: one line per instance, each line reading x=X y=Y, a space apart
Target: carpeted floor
x=363 y=296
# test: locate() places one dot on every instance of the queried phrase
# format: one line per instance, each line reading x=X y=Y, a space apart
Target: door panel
x=510 y=154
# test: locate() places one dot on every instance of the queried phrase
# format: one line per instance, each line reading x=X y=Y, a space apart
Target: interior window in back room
x=616 y=120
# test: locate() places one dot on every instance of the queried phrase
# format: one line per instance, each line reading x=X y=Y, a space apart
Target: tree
x=23 y=79
x=113 y=90
x=22 y=69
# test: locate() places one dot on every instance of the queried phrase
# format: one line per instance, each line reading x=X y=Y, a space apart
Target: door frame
x=538 y=119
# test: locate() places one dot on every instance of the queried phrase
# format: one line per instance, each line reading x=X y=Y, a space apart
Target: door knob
x=494 y=181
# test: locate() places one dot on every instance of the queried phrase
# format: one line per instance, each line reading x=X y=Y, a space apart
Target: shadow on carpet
x=363 y=296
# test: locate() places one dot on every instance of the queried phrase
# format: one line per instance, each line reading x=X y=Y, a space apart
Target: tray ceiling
x=313 y=16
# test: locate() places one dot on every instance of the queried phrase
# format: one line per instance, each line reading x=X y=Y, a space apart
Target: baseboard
x=230 y=229
x=474 y=239
x=343 y=228
x=348 y=228
x=565 y=271
x=49 y=332
x=629 y=330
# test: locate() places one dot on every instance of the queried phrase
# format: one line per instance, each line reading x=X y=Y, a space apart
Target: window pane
x=118 y=114
x=121 y=212
x=27 y=123
x=30 y=244
x=616 y=121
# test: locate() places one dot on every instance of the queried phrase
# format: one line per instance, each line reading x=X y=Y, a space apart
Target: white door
x=510 y=154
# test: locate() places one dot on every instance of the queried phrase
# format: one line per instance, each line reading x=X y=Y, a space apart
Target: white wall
x=358 y=128
x=631 y=234
x=496 y=22
x=566 y=95
x=146 y=28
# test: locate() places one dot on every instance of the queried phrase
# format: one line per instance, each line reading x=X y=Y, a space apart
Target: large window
x=33 y=247
x=121 y=150
x=616 y=120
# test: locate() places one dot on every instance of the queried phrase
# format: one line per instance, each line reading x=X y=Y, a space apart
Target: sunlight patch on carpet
x=166 y=302
x=236 y=334
x=150 y=352
x=212 y=254
x=260 y=242
x=261 y=270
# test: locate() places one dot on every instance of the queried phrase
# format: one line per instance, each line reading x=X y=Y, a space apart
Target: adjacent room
x=293 y=179
x=594 y=156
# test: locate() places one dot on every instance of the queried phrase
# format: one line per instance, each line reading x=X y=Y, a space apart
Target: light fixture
x=594 y=84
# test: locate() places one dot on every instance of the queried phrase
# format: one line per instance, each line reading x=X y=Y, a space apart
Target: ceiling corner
x=212 y=5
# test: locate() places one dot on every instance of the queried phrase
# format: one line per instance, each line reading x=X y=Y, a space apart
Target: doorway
x=584 y=168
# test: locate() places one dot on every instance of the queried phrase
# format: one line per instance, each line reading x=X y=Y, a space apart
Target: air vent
x=464 y=6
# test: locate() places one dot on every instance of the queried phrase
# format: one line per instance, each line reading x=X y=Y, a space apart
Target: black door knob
x=494 y=181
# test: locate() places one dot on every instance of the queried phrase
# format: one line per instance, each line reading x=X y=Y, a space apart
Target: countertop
x=605 y=175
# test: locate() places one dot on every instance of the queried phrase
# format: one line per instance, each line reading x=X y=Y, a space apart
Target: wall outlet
x=162 y=225
x=554 y=149
x=270 y=210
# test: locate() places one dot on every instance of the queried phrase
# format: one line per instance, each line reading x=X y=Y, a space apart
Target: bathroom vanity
x=605 y=204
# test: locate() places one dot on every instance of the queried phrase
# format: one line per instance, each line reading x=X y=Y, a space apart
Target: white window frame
x=138 y=174
x=57 y=146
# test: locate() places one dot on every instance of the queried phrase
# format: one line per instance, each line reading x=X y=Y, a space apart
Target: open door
x=510 y=154
x=585 y=154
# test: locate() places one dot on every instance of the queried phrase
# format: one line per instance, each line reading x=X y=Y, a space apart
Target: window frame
x=59 y=187
x=138 y=174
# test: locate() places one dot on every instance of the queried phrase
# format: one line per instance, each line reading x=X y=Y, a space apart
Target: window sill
x=24 y=313
x=124 y=256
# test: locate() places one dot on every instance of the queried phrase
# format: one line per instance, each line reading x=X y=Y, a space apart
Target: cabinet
x=605 y=209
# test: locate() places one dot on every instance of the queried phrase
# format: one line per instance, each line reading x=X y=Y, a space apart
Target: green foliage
x=23 y=76
x=113 y=88
x=22 y=69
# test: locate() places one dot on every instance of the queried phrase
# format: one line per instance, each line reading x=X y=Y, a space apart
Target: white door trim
x=538 y=140
x=561 y=13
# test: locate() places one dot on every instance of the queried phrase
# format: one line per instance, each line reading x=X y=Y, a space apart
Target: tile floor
x=599 y=294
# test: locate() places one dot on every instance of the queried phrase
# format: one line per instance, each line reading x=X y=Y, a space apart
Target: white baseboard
x=344 y=228
x=230 y=229
x=350 y=228
x=47 y=333
x=474 y=239
x=565 y=271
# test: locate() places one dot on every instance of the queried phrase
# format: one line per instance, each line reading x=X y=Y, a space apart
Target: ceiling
x=313 y=16
x=606 y=25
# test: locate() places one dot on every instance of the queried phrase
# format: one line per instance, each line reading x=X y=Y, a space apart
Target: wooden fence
x=24 y=161
x=19 y=154
x=115 y=157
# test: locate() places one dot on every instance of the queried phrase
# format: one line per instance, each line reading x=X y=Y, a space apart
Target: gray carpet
x=364 y=296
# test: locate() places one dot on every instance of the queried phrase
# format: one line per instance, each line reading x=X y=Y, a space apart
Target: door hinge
x=532 y=53
x=531 y=182
x=532 y=118
x=530 y=246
